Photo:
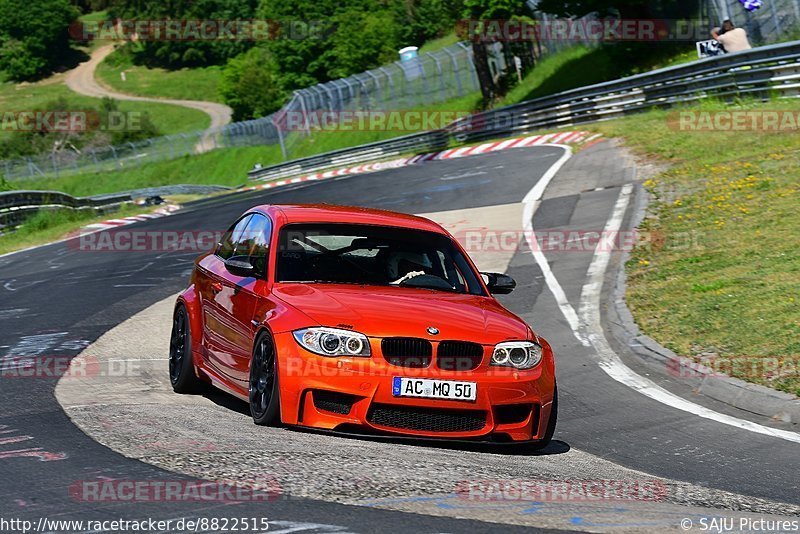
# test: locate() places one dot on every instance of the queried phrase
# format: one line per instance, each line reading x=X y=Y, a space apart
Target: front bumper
x=356 y=393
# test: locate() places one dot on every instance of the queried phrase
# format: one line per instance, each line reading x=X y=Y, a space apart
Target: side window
x=227 y=246
x=255 y=242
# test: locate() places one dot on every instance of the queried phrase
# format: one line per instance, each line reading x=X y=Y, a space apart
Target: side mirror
x=499 y=284
x=240 y=266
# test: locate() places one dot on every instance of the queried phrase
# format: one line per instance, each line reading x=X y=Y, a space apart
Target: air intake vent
x=331 y=401
x=407 y=351
x=459 y=355
x=426 y=419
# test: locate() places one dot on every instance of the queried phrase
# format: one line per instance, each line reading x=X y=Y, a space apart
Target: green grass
x=580 y=66
x=721 y=275
x=437 y=44
x=27 y=96
x=226 y=166
x=51 y=225
x=183 y=84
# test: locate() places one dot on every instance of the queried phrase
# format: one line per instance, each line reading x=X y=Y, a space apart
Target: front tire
x=181 y=368
x=551 y=424
x=263 y=386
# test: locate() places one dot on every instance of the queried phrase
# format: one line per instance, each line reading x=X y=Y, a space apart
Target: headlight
x=332 y=341
x=518 y=354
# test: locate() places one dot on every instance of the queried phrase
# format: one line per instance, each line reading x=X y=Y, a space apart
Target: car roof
x=329 y=213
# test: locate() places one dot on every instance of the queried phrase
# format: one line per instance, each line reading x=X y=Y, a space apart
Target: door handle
x=216 y=287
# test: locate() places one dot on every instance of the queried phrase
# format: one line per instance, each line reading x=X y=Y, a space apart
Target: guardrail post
x=456 y=73
x=350 y=91
x=471 y=62
x=281 y=140
x=134 y=155
x=114 y=153
x=775 y=17
x=304 y=111
x=378 y=89
x=54 y=162
x=441 y=76
x=390 y=81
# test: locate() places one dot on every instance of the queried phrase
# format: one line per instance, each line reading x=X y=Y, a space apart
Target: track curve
x=606 y=430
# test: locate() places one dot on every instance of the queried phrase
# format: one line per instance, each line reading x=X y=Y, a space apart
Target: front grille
x=426 y=419
x=407 y=351
x=331 y=401
x=459 y=355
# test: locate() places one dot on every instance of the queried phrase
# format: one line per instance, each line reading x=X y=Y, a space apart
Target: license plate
x=434 y=389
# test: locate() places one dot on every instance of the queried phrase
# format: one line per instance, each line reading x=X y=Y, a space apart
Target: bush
x=249 y=85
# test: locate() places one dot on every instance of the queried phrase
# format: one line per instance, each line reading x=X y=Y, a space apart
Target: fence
x=775 y=20
x=15 y=206
x=430 y=78
x=413 y=84
x=762 y=72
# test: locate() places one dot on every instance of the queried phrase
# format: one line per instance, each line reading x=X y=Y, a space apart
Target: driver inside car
x=403 y=265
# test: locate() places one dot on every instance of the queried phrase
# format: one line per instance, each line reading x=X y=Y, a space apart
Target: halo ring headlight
x=517 y=354
x=332 y=342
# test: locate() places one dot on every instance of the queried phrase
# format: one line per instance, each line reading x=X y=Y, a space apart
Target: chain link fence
x=428 y=79
x=774 y=21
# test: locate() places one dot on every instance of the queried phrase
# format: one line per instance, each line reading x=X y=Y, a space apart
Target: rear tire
x=181 y=367
x=263 y=386
x=551 y=424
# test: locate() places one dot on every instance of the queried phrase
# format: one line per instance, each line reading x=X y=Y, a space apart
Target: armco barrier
x=15 y=206
x=425 y=141
x=760 y=72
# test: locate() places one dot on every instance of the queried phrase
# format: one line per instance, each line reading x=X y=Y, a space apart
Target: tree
x=249 y=86
x=34 y=36
x=179 y=53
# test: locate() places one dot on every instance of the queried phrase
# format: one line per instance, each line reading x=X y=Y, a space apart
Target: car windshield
x=373 y=255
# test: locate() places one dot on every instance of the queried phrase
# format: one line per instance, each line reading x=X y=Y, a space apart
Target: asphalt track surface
x=56 y=300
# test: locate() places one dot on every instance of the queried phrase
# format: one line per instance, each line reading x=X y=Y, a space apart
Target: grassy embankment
x=723 y=279
x=182 y=84
x=51 y=225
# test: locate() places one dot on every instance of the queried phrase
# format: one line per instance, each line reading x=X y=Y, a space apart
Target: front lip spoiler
x=443 y=442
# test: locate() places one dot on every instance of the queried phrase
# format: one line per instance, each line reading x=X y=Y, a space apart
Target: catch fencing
x=765 y=72
x=412 y=84
x=774 y=21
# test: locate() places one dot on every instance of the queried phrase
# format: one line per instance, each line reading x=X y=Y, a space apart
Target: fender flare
x=191 y=301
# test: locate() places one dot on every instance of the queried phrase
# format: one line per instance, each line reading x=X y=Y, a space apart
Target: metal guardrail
x=16 y=206
x=761 y=72
x=425 y=141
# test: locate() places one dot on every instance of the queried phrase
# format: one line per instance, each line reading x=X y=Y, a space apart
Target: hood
x=378 y=311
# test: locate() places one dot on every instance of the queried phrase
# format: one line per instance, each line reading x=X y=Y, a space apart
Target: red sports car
x=353 y=319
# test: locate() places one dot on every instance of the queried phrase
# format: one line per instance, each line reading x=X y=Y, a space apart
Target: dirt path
x=81 y=79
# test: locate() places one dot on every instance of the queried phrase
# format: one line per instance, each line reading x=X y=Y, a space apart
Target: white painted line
x=611 y=363
x=531 y=203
